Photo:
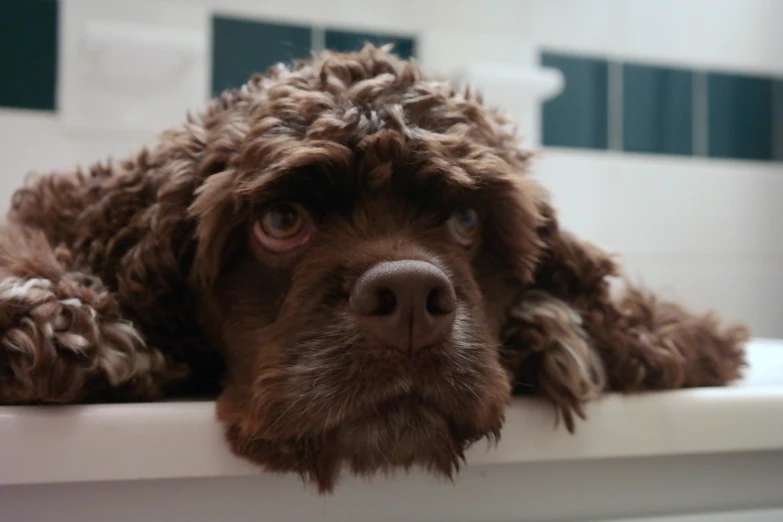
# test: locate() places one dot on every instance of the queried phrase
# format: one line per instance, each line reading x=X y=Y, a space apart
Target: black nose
x=407 y=305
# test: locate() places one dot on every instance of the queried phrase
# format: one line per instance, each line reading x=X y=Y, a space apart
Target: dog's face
x=357 y=275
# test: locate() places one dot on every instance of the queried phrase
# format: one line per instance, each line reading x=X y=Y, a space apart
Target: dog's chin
x=398 y=413
x=408 y=432
x=397 y=435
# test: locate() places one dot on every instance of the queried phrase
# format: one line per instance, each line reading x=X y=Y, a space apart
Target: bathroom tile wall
x=663 y=109
x=242 y=46
x=578 y=117
x=658 y=110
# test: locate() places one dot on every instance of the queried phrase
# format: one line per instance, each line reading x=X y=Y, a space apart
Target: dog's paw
x=60 y=342
x=547 y=347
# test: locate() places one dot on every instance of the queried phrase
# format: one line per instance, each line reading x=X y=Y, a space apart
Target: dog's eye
x=282 y=221
x=464 y=225
x=283 y=227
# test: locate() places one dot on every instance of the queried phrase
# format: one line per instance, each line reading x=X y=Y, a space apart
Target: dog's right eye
x=283 y=227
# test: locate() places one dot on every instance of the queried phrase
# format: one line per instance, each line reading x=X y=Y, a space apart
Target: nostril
x=440 y=301
x=433 y=304
x=387 y=302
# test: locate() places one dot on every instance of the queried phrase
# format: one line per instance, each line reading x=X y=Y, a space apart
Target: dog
x=351 y=255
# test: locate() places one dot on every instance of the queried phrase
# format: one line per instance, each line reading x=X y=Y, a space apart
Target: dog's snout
x=407 y=305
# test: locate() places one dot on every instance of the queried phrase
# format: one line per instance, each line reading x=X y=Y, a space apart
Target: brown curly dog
x=353 y=256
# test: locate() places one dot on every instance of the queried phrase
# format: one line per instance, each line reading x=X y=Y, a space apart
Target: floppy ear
x=512 y=233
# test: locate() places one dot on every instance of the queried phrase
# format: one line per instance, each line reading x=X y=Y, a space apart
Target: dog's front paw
x=64 y=342
x=548 y=351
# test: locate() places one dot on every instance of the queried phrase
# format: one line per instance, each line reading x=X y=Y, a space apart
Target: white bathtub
x=693 y=455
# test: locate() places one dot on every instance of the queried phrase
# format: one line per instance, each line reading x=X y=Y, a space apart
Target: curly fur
x=135 y=280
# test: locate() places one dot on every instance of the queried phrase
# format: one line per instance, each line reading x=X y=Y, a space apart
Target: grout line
x=615 y=106
x=777 y=120
x=700 y=114
x=317 y=39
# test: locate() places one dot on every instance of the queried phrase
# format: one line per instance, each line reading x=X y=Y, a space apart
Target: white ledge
x=184 y=440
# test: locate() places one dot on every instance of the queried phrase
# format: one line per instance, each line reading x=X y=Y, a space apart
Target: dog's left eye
x=283 y=227
x=464 y=225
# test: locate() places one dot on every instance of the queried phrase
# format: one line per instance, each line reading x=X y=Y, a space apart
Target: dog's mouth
x=394 y=383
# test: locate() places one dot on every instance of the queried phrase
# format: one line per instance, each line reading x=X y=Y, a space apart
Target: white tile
x=31 y=141
x=589 y=26
x=731 y=34
x=639 y=203
x=743 y=288
x=138 y=65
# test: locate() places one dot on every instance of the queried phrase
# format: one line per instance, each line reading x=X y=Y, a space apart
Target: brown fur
x=138 y=279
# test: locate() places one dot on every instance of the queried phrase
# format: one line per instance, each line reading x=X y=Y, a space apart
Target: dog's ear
x=512 y=233
x=569 y=267
x=161 y=247
x=525 y=232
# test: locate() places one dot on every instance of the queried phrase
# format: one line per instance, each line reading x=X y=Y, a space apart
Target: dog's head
x=361 y=233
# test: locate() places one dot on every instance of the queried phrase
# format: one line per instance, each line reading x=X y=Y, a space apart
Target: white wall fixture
x=519 y=91
x=504 y=68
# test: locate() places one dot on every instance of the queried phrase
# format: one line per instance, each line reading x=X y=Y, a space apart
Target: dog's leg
x=569 y=338
x=61 y=336
x=652 y=344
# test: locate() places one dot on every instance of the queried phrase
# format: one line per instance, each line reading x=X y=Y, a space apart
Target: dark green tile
x=777 y=120
x=657 y=109
x=578 y=116
x=28 y=54
x=346 y=41
x=739 y=116
x=241 y=48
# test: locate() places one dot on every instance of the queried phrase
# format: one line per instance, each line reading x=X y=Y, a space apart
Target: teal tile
x=578 y=116
x=28 y=54
x=346 y=41
x=777 y=120
x=739 y=116
x=657 y=109
x=242 y=47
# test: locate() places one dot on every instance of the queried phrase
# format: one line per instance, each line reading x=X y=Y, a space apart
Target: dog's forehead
x=381 y=109
x=372 y=147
